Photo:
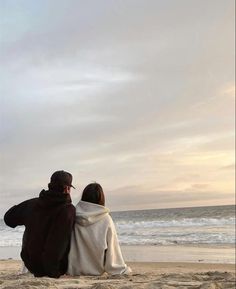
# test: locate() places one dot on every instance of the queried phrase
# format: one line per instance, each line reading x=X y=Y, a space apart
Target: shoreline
x=164 y=253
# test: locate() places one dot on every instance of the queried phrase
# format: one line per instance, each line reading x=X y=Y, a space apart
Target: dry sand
x=144 y=276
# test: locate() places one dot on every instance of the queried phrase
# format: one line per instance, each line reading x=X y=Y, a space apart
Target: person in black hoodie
x=48 y=222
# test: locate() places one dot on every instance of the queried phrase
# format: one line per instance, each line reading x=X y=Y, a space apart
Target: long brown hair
x=93 y=193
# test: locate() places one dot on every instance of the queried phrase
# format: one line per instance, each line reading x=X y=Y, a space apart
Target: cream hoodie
x=94 y=245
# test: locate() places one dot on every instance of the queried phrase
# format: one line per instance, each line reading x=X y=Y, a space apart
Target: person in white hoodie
x=94 y=244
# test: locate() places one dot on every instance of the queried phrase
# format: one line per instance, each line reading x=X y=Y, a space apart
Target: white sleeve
x=114 y=262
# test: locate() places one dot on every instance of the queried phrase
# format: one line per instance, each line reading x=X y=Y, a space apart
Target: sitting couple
x=62 y=239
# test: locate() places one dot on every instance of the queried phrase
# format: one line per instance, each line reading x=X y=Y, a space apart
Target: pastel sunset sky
x=137 y=95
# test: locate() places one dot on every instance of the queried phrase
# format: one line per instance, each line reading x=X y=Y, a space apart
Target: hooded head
x=93 y=193
x=91 y=208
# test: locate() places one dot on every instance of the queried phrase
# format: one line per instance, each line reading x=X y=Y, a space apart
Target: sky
x=137 y=95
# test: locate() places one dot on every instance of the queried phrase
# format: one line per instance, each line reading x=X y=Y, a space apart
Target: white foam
x=196 y=222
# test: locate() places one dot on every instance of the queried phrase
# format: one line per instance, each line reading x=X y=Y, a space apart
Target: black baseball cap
x=61 y=178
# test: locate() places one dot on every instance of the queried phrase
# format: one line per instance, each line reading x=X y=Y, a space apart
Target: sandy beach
x=166 y=267
x=145 y=275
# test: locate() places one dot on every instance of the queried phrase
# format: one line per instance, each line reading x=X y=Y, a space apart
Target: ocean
x=182 y=226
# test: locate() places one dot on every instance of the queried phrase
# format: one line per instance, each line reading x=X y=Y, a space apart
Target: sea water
x=182 y=226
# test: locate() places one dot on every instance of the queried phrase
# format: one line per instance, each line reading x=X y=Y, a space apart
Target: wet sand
x=194 y=254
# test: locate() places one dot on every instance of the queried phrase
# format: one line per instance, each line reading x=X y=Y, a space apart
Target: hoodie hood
x=51 y=198
x=89 y=213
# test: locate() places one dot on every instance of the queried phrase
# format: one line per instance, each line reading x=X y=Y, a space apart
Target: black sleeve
x=16 y=215
x=58 y=242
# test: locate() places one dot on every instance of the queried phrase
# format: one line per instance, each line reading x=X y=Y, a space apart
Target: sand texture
x=144 y=276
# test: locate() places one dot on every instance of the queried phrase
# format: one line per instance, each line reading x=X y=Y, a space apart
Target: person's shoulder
x=33 y=200
x=70 y=207
x=68 y=210
x=29 y=202
x=108 y=219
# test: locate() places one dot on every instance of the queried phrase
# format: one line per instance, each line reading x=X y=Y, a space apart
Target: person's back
x=48 y=222
x=94 y=245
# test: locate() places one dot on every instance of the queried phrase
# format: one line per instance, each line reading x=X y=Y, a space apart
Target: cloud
x=123 y=94
x=133 y=197
x=228 y=167
x=229 y=90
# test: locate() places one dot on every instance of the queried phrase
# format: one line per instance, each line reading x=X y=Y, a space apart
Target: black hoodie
x=48 y=222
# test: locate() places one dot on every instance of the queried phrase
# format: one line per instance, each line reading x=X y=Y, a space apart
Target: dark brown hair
x=93 y=193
